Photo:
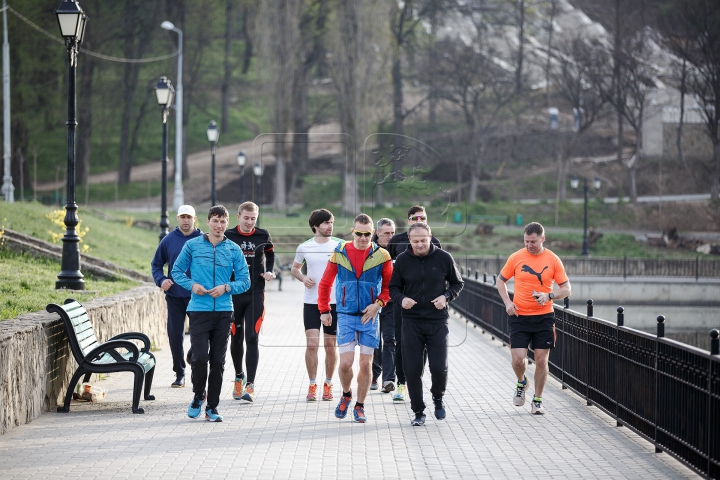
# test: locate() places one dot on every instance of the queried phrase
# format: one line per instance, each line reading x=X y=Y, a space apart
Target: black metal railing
x=666 y=391
x=610 y=267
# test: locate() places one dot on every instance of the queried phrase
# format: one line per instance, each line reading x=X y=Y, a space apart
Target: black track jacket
x=424 y=279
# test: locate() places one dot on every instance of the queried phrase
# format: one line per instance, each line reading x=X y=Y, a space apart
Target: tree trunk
x=551 y=30
x=248 y=52
x=715 y=188
x=301 y=128
x=130 y=78
x=432 y=89
x=521 y=43
x=350 y=190
x=225 y=124
x=280 y=173
x=681 y=152
x=478 y=150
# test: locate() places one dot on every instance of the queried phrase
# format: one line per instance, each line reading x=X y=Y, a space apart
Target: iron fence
x=610 y=267
x=666 y=391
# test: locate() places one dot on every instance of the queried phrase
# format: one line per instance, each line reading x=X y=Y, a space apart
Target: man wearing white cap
x=177 y=298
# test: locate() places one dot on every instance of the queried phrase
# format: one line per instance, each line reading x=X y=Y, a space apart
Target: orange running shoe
x=327 y=391
x=239 y=387
x=312 y=393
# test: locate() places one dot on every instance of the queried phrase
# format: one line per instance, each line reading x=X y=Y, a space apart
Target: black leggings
x=249 y=313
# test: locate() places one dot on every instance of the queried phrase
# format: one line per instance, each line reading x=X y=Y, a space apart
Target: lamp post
x=164 y=93
x=179 y=197
x=7 y=186
x=241 y=161
x=258 y=171
x=72 y=21
x=575 y=183
x=212 y=135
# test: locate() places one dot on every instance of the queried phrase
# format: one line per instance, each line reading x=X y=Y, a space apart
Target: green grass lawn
x=116 y=242
x=28 y=284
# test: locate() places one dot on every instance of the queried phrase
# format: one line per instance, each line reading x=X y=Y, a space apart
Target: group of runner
x=384 y=293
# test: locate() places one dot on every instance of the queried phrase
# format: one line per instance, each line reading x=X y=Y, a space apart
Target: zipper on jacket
x=214 y=263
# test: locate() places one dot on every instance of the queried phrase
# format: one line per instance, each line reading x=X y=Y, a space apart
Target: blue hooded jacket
x=167 y=252
x=211 y=266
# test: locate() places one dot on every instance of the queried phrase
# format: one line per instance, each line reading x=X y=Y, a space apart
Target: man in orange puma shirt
x=531 y=312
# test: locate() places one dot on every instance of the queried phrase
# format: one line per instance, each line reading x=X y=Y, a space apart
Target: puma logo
x=525 y=268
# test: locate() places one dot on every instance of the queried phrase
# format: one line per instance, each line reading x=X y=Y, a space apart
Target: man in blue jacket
x=177 y=298
x=212 y=259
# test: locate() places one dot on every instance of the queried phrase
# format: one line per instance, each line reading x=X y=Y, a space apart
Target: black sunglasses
x=362 y=234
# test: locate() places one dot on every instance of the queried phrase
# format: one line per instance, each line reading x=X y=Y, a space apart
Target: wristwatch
x=551 y=295
x=227 y=287
x=447 y=296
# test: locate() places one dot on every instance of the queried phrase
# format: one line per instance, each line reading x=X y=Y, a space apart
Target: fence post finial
x=590 y=307
x=714 y=342
x=661 y=326
x=620 y=316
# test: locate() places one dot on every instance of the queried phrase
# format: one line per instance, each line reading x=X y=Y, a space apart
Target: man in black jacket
x=424 y=280
x=249 y=306
x=397 y=245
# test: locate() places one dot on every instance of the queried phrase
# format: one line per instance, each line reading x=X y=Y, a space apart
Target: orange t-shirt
x=533 y=272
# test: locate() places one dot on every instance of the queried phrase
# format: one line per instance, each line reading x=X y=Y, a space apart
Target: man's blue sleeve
x=180 y=267
x=242 y=275
x=158 y=263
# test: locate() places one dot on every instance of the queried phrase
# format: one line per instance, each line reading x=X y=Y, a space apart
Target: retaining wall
x=36 y=363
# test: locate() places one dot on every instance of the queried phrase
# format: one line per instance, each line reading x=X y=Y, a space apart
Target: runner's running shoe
x=327 y=391
x=342 y=408
x=419 y=420
x=312 y=393
x=212 y=415
x=519 y=397
x=388 y=386
x=537 y=407
x=439 y=408
x=399 y=393
x=359 y=414
x=249 y=395
x=196 y=406
x=239 y=387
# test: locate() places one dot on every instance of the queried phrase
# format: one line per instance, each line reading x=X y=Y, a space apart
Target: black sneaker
x=419 y=420
x=439 y=408
x=179 y=382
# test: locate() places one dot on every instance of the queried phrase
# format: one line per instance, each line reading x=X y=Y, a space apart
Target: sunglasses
x=421 y=218
x=362 y=234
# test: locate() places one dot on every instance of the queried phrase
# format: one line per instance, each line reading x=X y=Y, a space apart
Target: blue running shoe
x=342 y=408
x=196 y=406
x=359 y=414
x=212 y=415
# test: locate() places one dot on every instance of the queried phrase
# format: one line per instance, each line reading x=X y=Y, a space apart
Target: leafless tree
x=279 y=36
x=692 y=28
x=574 y=71
x=358 y=61
x=482 y=89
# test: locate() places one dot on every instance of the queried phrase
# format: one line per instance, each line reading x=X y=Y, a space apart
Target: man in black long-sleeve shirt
x=397 y=245
x=424 y=280
x=249 y=307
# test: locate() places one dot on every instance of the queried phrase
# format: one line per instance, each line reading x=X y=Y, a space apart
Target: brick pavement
x=282 y=436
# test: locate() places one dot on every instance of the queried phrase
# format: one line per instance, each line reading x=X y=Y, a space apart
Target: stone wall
x=36 y=364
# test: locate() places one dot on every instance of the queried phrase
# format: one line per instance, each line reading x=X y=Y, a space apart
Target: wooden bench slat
x=88 y=344
x=86 y=334
x=74 y=309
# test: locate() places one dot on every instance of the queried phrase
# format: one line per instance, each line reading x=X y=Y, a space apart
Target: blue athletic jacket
x=211 y=266
x=353 y=294
x=167 y=252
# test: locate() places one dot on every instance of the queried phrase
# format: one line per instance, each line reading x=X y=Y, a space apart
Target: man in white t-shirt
x=315 y=254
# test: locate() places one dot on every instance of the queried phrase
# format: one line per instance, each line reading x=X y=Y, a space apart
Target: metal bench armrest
x=134 y=336
x=110 y=348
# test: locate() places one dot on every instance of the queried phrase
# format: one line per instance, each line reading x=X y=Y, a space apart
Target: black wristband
x=323 y=313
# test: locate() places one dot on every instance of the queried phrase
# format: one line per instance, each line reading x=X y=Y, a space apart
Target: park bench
x=118 y=354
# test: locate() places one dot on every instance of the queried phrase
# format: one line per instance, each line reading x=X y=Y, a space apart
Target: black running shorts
x=536 y=329
x=311 y=317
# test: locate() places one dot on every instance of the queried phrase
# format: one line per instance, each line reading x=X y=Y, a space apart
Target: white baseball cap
x=186 y=210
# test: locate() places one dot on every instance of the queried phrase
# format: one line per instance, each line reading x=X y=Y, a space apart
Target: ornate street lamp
x=164 y=93
x=212 y=135
x=574 y=184
x=241 y=161
x=72 y=21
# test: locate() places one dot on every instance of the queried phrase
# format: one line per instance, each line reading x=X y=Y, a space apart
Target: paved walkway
x=282 y=436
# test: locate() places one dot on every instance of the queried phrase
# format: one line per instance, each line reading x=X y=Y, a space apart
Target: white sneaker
x=519 y=397
x=537 y=407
